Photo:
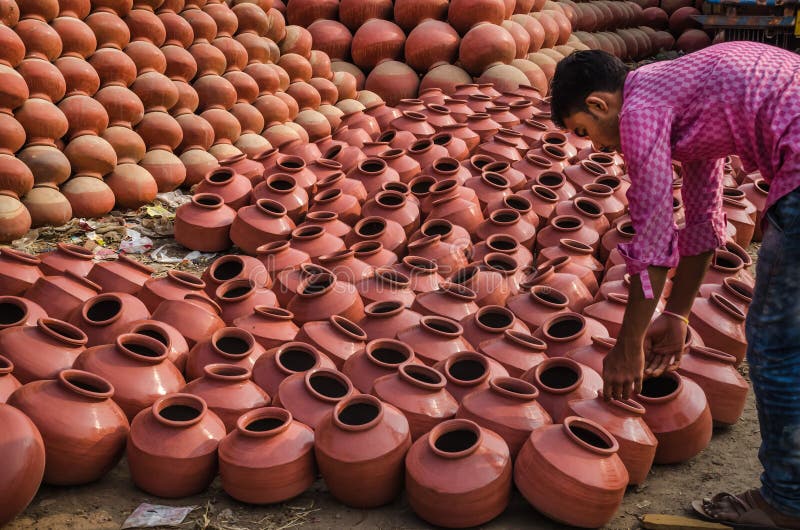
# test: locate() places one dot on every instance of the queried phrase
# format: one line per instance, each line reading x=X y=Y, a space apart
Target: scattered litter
x=135 y=243
x=151 y=515
x=175 y=253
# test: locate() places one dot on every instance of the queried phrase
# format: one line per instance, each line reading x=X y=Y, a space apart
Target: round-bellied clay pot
x=337 y=338
x=270 y=326
x=287 y=359
x=123 y=275
x=515 y=351
x=83 y=429
x=380 y=357
x=195 y=317
x=434 y=339
x=104 y=317
x=360 y=449
x=42 y=351
x=67 y=257
x=383 y=320
x=477 y=456
x=681 y=435
x=18 y=271
x=560 y=381
x=16 y=311
x=569 y=331
x=174 y=286
x=205 y=223
x=238 y=298
x=235 y=267
x=226 y=345
x=59 y=295
x=571 y=473
x=172 y=446
x=268 y=458
x=312 y=395
x=8 y=383
x=322 y=296
x=725 y=388
x=177 y=347
x=721 y=325
x=22 y=475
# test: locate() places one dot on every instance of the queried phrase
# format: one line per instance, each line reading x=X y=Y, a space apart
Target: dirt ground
x=730 y=463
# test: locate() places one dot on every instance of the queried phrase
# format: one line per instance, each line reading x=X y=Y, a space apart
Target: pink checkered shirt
x=739 y=98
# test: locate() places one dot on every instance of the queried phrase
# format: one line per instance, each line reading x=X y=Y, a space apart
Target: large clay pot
x=507 y=407
x=721 y=325
x=83 y=430
x=714 y=371
x=18 y=271
x=393 y=81
x=42 y=351
x=177 y=347
x=238 y=298
x=681 y=435
x=270 y=326
x=123 y=275
x=268 y=458
x=67 y=257
x=234 y=188
x=204 y=224
x=60 y=296
x=311 y=396
x=22 y=475
x=235 y=267
x=172 y=446
x=360 y=449
x=227 y=345
x=419 y=392
x=285 y=360
x=467 y=372
x=174 y=286
x=18 y=311
x=434 y=339
x=490 y=322
x=515 y=351
x=105 y=316
x=429 y=44
x=624 y=420
x=560 y=381
x=571 y=473
x=380 y=357
x=464 y=14
x=337 y=338
x=411 y=13
x=8 y=383
x=450 y=300
x=322 y=296
x=383 y=319
x=481 y=460
x=538 y=305
x=138 y=368
x=196 y=317
x=353 y=13
x=375 y=41
x=228 y=392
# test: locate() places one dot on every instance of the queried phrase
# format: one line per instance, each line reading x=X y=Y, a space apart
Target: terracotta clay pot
x=234 y=188
x=507 y=407
x=42 y=351
x=204 y=224
x=714 y=371
x=624 y=420
x=380 y=357
x=467 y=372
x=228 y=392
x=419 y=392
x=235 y=267
x=279 y=256
x=238 y=298
x=451 y=449
x=26 y=453
x=60 y=296
x=227 y=345
x=106 y=316
x=177 y=347
x=434 y=339
x=322 y=296
x=268 y=458
x=8 y=383
x=450 y=300
x=490 y=322
x=18 y=271
x=721 y=325
x=172 y=446
x=311 y=396
x=196 y=317
x=337 y=338
x=560 y=381
x=16 y=311
x=67 y=257
x=515 y=351
x=174 y=286
x=285 y=360
x=138 y=368
x=79 y=423
x=123 y=275
x=577 y=460
x=270 y=326
x=360 y=449
x=680 y=436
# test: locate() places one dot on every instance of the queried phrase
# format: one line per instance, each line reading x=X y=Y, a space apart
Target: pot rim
x=123 y=341
x=553 y=362
x=594 y=428
x=187 y=400
x=217 y=371
x=357 y=399
x=236 y=333
x=467 y=356
x=286 y=347
x=62 y=331
x=406 y=371
x=330 y=373
x=669 y=397
x=452 y=425
x=264 y=413
x=105 y=389
x=392 y=344
x=86 y=306
x=513 y=388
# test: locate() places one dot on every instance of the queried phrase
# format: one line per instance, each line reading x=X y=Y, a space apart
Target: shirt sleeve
x=645 y=142
x=702 y=202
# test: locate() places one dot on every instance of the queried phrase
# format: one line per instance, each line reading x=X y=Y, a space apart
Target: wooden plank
x=674 y=522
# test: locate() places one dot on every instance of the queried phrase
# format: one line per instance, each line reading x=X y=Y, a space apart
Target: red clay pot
x=177 y=347
x=196 y=317
x=228 y=392
x=720 y=324
x=235 y=267
x=270 y=450
x=322 y=296
x=419 y=393
x=42 y=351
x=312 y=395
x=234 y=188
x=79 y=424
x=18 y=271
x=450 y=300
x=714 y=371
x=238 y=298
x=123 y=275
x=361 y=450
x=16 y=311
x=434 y=339
x=581 y=478
x=270 y=326
x=138 y=368
x=205 y=223
x=561 y=380
x=227 y=345
x=467 y=372
x=104 y=317
x=287 y=359
x=23 y=474
x=67 y=257
x=507 y=407
x=59 y=296
x=481 y=460
x=515 y=351
x=8 y=383
x=490 y=322
x=380 y=357
x=174 y=286
x=383 y=319
x=172 y=446
x=537 y=305
x=682 y=435
x=337 y=338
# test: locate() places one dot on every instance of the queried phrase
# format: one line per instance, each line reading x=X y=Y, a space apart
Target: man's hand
x=664 y=344
x=623 y=369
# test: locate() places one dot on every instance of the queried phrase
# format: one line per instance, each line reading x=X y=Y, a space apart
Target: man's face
x=602 y=128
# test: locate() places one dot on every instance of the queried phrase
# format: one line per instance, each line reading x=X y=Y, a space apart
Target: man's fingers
x=627 y=388
x=607 y=389
x=637 y=386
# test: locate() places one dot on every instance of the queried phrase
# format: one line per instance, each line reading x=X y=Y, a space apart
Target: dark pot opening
x=11 y=313
x=568 y=223
x=297 y=360
x=317 y=285
x=94 y=385
x=495 y=320
x=551 y=180
x=373 y=166
x=501 y=264
x=502 y=244
x=389 y=355
x=371 y=228
x=179 y=413
x=236 y=292
x=208 y=200
x=558 y=377
x=390 y=199
x=358 y=413
x=506 y=217
x=446 y=166
x=139 y=349
x=437 y=229
x=221 y=176
x=467 y=370
x=627 y=228
x=565 y=328
x=590 y=437
x=265 y=424
x=233 y=345
x=442 y=325
x=281 y=184
x=228 y=270
x=456 y=441
x=423 y=374
x=657 y=387
x=328 y=386
x=588 y=207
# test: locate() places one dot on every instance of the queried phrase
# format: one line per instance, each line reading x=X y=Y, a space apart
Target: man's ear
x=597 y=103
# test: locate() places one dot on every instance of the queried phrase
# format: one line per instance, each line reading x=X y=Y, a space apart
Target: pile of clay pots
x=429 y=295
x=672 y=19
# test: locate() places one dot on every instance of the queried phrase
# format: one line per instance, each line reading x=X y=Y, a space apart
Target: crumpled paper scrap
x=151 y=515
x=174 y=253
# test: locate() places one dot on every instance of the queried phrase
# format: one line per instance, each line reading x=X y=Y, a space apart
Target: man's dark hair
x=578 y=75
